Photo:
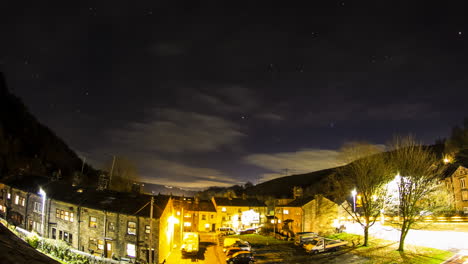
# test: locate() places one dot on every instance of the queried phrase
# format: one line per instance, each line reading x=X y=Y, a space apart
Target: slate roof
x=299 y=202
x=202 y=206
x=449 y=170
x=248 y=202
x=111 y=201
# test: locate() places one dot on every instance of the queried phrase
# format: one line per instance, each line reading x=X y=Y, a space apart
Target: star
x=459 y=33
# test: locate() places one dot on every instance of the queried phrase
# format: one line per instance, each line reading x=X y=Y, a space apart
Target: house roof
x=111 y=201
x=299 y=202
x=202 y=206
x=248 y=202
x=449 y=170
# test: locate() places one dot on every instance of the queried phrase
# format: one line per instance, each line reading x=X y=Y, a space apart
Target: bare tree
x=417 y=182
x=367 y=173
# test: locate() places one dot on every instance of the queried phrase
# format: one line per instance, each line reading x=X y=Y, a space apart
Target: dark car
x=248 y=231
x=241 y=257
x=232 y=250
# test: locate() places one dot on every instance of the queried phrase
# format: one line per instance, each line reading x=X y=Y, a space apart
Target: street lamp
x=353 y=193
x=44 y=195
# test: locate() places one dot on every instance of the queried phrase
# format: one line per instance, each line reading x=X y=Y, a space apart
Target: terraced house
x=104 y=223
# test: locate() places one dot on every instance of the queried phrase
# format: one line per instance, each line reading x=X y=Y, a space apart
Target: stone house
x=239 y=213
x=308 y=214
x=456 y=180
x=198 y=215
x=104 y=223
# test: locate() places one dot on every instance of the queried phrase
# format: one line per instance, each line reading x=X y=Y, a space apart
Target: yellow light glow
x=272 y=221
x=207 y=225
x=178 y=212
x=187 y=224
x=172 y=220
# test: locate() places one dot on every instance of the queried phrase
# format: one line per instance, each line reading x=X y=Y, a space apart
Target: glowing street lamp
x=353 y=193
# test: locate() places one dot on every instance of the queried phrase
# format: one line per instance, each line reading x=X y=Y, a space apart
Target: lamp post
x=353 y=192
x=44 y=195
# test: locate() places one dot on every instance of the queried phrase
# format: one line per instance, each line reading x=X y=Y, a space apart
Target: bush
x=33 y=240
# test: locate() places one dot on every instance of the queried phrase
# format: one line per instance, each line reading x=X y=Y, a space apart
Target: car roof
x=241 y=252
x=233 y=248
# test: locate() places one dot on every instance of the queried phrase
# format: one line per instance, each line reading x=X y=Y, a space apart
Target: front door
x=108 y=249
x=213 y=227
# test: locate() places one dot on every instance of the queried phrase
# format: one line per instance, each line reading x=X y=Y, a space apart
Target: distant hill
x=29 y=148
x=163 y=189
x=313 y=182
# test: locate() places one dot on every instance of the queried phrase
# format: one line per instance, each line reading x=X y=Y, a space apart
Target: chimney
x=297 y=192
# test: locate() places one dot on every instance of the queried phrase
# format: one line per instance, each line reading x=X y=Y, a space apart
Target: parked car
x=190 y=243
x=243 y=245
x=248 y=231
x=229 y=242
x=241 y=257
x=230 y=251
x=226 y=231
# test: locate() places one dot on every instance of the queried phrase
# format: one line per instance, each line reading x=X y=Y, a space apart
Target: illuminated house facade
x=103 y=223
x=456 y=179
x=198 y=215
x=239 y=213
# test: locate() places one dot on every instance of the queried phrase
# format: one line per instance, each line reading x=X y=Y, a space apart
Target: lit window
x=187 y=224
x=285 y=211
x=100 y=245
x=187 y=215
x=57 y=213
x=464 y=195
x=147 y=229
x=465 y=210
x=462 y=183
x=17 y=199
x=8 y=196
x=92 y=222
x=223 y=209
x=131 y=228
x=62 y=214
x=131 y=250
x=111 y=226
x=207 y=226
x=66 y=216
x=23 y=201
x=71 y=217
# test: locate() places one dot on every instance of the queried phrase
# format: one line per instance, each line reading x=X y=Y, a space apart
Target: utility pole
x=150 y=254
x=112 y=171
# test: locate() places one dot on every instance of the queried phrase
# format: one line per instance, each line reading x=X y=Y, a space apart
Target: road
x=210 y=252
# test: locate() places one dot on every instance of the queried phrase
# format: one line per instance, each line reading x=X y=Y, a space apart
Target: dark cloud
x=177 y=131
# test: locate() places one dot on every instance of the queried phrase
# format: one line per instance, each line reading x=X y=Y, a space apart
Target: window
x=111 y=227
x=8 y=196
x=203 y=217
x=64 y=215
x=57 y=213
x=285 y=211
x=67 y=216
x=37 y=207
x=92 y=244
x=212 y=216
x=60 y=235
x=92 y=222
x=462 y=183
x=54 y=233
x=464 y=195
x=147 y=229
x=187 y=224
x=131 y=228
x=187 y=215
x=223 y=218
x=223 y=209
x=100 y=244
x=465 y=210
x=2 y=208
x=23 y=201
x=71 y=217
x=131 y=250
x=17 y=199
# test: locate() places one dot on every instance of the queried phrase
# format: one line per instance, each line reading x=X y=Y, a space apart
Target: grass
x=382 y=251
x=256 y=239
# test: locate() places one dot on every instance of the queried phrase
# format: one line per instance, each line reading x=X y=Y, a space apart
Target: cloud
x=176 y=131
x=184 y=176
x=287 y=163
x=226 y=100
x=269 y=116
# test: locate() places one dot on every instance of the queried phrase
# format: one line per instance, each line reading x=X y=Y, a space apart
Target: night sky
x=203 y=94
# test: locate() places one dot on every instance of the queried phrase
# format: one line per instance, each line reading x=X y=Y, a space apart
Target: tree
x=417 y=182
x=458 y=139
x=367 y=172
